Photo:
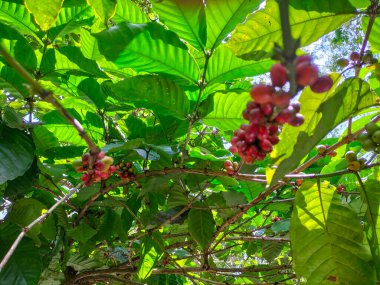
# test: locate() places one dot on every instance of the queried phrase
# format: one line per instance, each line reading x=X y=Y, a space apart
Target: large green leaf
x=16 y=153
x=150 y=48
x=26 y=210
x=69 y=59
x=12 y=82
x=71 y=19
x=18 y=47
x=309 y=21
x=25 y=265
x=186 y=18
x=201 y=225
x=227 y=110
x=322 y=113
x=153 y=92
x=374 y=37
x=104 y=9
x=127 y=11
x=327 y=239
x=224 y=66
x=371 y=195
x=17 y=16
x=151 y=253
x=222 y=17
x=45 y=12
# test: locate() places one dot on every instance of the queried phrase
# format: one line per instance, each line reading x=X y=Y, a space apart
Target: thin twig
x=40 y=219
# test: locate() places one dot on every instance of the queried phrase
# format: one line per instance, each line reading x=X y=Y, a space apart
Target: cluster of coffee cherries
x=355 y=59
x=126 y=171
x=271 y=108
x=370 y=140
x=231 y=167
x=353 y=163
x=102 y=168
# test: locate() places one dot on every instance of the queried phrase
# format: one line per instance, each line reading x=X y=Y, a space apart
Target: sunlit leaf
x=327 y=240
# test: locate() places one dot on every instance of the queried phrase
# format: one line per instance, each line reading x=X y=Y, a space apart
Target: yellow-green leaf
x=104 y=9
x=45 y=12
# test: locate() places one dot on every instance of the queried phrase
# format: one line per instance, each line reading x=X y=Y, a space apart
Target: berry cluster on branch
x=102 y=168
x=126 y=171
x=370 y=139
x=272 y=107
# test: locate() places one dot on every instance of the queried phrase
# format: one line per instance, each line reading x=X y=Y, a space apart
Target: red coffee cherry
x=278 y=75
x=323 y=84
x=262 y=94
x=306 y=74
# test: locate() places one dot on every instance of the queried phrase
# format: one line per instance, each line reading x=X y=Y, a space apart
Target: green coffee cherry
x=354 y=165
x=362 y=161
x=351 y=156
x=376 y=137
x=369 y=145
x=363 y=137
x=371 y=128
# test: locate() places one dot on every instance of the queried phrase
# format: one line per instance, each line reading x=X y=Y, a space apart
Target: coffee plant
x=189 y=142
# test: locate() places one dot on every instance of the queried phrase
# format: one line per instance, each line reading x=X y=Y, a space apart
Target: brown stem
x=40 y=219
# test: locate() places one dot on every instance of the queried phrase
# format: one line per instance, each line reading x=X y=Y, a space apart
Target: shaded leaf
x=25 y=265
x=16 y=153
x=201 y=225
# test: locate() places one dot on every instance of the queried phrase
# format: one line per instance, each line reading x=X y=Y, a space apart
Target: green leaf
x=12 y=118
x=151 y=254
x=227 y=110
x=327 y=239
x=71 y=19
x=16 y=153
x=104 y=9
x=22 y=185
x=12 y=82
x=222 y=17
x=17 y=16
x=185 y=18
x=309 y=20
x=371 y=196
x=26 y=210
x=159 y=94
x=374 y=36
x=224 y=66
x=201 y=225
x=69 y=59
x=204 y=154
x=82 y=232
x=82 y=263
x=322 y=113
x=45 y=12
x=127 y=11
x=18 y=47
x=281 y=226
x=149 y=48
x=25 y=265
